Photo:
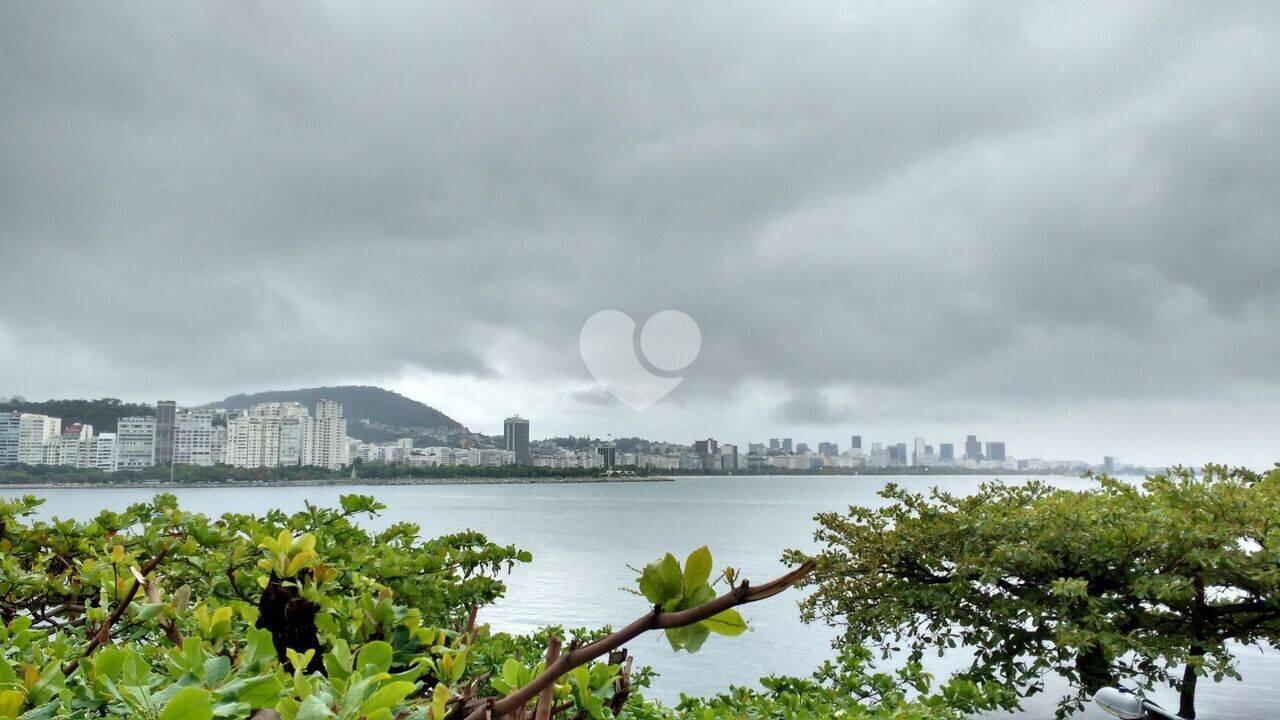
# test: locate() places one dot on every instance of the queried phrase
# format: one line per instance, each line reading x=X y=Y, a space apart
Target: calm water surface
x=584 y=536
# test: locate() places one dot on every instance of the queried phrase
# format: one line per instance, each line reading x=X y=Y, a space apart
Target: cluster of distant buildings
x=784 y=454
x=283 y=434
x=265 y=435
x=712 y=456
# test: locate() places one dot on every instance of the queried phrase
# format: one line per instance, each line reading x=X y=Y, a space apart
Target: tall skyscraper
x=947 y=452
x=898 y=454
x=855 y=442
x=972 y=448
x=786 y=445
x=828 y=449
x=166 y=417
x=919 y=456
x=1108 y=464
x=515 y=436
x=995 y=451
x=775 y=444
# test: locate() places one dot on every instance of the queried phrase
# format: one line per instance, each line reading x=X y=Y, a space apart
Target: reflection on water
x=584 y=536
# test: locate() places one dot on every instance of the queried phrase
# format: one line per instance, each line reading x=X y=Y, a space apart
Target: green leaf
x=258 y=648
x=695 y=635
x=699 y=595
x=259 y=691
x=697 y=569
x=387 y=697
x=215 y=669
x=672 y=578
x=147 y=611
x=374 y=658
x=314 y=708
x=727 y=622
x=337 y=662
x=512 y=672
x=651 y=584
x=189 y=703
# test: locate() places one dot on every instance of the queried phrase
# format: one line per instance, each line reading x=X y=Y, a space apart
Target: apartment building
x=135 y=442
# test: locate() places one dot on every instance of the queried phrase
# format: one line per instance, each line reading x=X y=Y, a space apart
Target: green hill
x=372 y=413
x=101 y=414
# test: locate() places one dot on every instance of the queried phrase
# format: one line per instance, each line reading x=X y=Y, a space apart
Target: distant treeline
x=102 y=414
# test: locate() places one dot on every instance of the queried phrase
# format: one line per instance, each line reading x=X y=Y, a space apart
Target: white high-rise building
x=284 y=433
x=293 y=438
x=326 y=437
x=253 y=441
x=104 y=452
x=235 y=444
x=219 y=449
x=135 y=442
x=73 y=448
x=194 y=439
x=271 y=435
x=9 y=424
x=34 y=432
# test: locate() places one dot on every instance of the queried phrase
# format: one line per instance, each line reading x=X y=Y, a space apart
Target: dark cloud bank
x=1058 y=223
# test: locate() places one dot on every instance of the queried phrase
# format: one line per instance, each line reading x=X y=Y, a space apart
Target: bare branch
x=103 y=633
x=654 y=620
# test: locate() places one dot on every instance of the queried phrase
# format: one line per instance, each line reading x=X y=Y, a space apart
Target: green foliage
x=189 y=646
x=1122 y=580
x=377 y=626
x=664 y=584
x=102 y=414
x=851 y=689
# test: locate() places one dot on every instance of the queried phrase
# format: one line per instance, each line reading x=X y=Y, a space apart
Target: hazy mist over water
x=583 y=537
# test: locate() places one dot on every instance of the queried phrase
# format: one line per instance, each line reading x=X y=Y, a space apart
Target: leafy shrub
x=162 y=614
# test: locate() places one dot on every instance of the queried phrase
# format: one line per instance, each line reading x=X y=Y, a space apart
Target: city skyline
x=286 y=433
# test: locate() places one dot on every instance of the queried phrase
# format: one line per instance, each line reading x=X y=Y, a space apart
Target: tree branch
x=103 y=633
x=653 y=620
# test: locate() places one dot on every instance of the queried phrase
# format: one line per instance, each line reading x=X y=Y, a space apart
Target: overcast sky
x=1054 y=225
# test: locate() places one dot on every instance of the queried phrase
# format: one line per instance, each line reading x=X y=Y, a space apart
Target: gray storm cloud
x=899 y=212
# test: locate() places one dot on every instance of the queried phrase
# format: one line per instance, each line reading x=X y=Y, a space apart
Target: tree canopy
x=162 y=614
x=1147 y=582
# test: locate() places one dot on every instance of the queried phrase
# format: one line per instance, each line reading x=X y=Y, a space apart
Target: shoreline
x=334 y=482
